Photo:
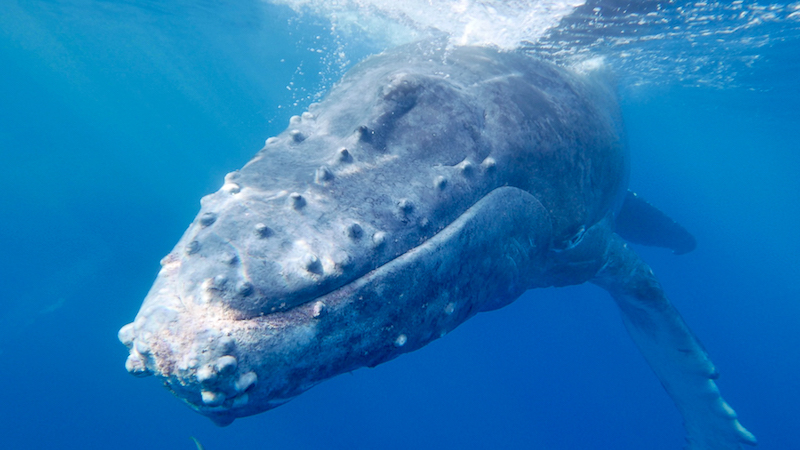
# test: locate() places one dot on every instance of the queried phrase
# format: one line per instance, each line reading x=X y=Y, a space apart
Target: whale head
x=379 y=220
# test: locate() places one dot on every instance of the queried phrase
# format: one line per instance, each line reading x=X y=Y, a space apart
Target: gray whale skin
x=428 y=186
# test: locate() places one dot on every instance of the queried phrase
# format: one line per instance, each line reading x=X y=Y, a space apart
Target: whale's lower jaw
x=226 y=367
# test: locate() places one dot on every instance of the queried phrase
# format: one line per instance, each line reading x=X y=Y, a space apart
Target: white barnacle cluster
x=209 y=365
x=135 y=364
x=221 y=386
x=170 y=264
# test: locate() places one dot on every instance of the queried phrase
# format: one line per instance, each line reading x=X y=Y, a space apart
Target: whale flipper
x=642 y=223
x=673 y=352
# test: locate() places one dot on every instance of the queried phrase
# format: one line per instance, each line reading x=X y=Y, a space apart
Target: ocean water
x=117 y=116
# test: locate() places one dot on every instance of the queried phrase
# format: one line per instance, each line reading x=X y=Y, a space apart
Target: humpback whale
x=429 y=185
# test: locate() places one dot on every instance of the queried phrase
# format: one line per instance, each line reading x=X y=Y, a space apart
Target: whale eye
x=577 y=238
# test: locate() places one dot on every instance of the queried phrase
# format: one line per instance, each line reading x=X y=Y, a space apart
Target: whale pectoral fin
x=673 y=352
x=642 y=223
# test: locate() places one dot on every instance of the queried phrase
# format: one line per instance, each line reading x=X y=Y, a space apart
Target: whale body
x=429 y=185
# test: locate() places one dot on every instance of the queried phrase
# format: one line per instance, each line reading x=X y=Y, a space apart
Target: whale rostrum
x=429 y=185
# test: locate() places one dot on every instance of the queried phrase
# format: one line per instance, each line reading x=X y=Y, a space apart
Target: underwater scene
x=118 y=116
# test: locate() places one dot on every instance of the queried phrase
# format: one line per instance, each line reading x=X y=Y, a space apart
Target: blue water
x=116 y=117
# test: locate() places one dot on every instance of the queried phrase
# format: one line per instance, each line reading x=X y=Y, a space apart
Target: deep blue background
x=116 y=118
